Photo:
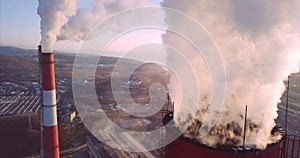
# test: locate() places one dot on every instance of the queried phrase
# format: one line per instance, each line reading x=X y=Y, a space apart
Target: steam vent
x=184 y=147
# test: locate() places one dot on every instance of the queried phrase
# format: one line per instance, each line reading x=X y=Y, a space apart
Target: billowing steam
x=61 y=20
x=85 y=19
x=259 y=43
x=54 y=14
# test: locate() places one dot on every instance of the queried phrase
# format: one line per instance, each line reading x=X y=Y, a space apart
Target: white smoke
x=62 y=20
x=259 y=43
x=54 y=14
x=80 y=25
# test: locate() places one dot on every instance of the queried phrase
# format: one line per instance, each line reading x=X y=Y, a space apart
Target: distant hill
x=10 y=50
x=16 y=51
x=6 y=50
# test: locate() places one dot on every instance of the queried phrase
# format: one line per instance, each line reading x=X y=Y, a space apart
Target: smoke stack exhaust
x=49 y=115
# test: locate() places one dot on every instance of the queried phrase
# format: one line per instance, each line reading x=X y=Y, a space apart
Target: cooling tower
x=183 y=147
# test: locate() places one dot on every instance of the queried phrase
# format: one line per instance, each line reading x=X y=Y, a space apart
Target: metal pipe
x=287 y=146
x=49 y=114
x=286 y=115
x=298 y=149
x=293 y=145
x=287 y=104
x=245 y=125
x=41 y=99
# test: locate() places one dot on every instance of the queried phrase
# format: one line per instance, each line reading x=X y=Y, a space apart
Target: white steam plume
x=85 y=19
x=62 y=20
x=54 y=14
x=259 y=43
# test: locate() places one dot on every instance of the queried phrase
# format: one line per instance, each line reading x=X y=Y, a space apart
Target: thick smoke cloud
x=61 y=20
x=54 y=14
x=85 y=19
x=259 y=43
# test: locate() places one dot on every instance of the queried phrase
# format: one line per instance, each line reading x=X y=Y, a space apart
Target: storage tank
x=184 y=147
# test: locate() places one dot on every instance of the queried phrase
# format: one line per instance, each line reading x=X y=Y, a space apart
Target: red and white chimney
x=49 y=115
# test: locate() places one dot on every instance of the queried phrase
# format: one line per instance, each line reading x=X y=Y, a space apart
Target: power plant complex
x=25 y=107
x=150 y=79
x=181 y=147
x=247 y=49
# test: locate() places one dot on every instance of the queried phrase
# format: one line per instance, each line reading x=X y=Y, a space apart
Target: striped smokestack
x=49 y=115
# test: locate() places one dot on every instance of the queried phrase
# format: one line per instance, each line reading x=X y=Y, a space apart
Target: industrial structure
x=50 y=143
x=287 y=147
x=185 y=147
x=181 y=147
x=19 y=105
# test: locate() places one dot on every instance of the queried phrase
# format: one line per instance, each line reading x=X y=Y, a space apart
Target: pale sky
x=20 y=24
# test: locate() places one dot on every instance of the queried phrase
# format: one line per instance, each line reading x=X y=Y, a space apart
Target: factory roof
x=13 y=105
